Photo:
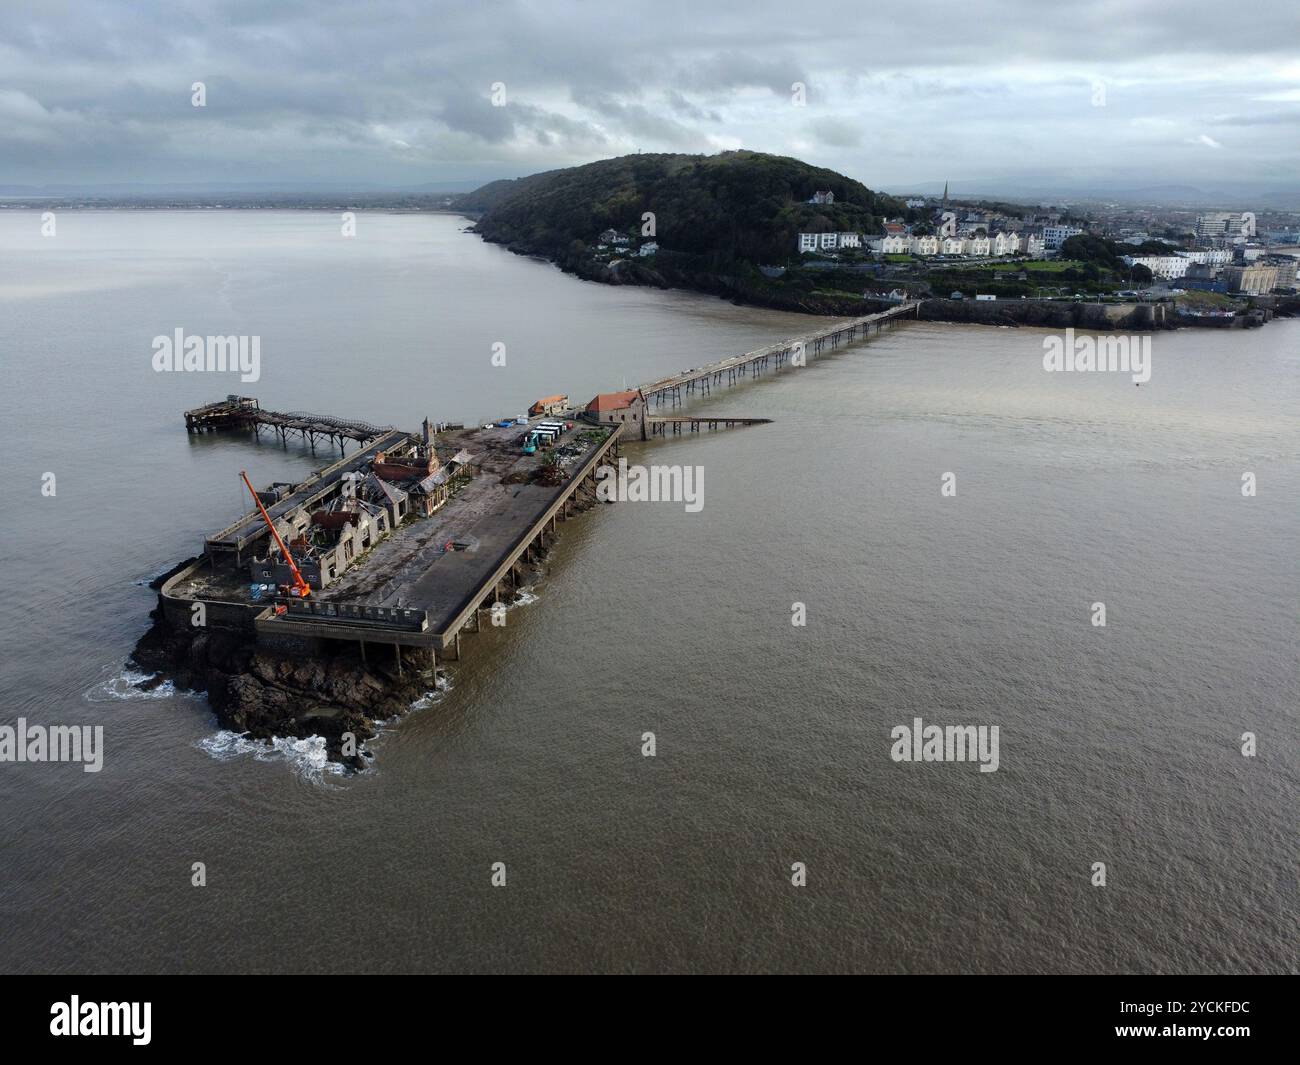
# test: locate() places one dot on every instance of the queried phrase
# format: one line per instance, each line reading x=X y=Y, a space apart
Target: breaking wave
x=307 y=757
x=125 y=684
x=441 y=687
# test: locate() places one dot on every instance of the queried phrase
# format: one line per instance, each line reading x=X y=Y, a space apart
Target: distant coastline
x=734 y=286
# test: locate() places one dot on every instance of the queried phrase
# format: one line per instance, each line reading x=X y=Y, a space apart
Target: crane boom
x=300 y=586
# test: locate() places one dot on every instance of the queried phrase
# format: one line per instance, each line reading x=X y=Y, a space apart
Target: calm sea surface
x=1119 y=745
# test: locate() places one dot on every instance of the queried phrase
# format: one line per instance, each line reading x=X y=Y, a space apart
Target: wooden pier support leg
x=397 y=653
x=363 y=652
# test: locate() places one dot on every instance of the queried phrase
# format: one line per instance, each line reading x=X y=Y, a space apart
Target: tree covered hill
x=720 y=210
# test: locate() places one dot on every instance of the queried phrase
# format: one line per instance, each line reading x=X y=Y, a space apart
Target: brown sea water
x=1118 y=745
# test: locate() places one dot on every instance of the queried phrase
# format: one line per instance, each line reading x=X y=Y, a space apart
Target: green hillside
x=718 y=211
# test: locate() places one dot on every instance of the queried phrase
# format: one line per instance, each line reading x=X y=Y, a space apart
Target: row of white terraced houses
x=906 y=243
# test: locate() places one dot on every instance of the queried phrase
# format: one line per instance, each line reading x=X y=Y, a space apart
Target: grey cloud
x=837 y=132
x=337 y=88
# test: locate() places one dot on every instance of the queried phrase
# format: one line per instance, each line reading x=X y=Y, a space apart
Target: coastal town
x=1210 y=264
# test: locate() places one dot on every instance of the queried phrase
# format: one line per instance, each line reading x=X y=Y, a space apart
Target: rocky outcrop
x=265 y=695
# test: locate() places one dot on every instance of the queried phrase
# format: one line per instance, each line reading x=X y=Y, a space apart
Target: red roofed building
x=611 y=408
x=549 y=405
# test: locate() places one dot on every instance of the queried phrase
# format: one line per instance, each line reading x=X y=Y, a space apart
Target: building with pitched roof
x=612 y=408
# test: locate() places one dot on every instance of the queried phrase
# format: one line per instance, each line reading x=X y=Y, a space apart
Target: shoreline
x=1087 y=315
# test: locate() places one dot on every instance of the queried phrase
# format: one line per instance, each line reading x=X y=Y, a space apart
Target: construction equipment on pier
x=300 y=587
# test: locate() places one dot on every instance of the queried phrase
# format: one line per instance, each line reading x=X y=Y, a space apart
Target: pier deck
x=703 y=379
x=663 y=424
x=493 y=524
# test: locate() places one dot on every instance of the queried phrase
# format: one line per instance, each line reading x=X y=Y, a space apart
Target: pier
x=244 y=412
x=703 y=379
x=430 y=579
x=663 y=424
x=409 y=540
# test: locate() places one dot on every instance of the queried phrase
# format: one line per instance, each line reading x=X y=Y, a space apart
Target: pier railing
x=398 y=617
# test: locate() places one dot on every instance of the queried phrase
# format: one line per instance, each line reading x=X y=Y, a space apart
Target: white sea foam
x=525 y=598
x=307 y=757
x=123 y=684
x=432 y=698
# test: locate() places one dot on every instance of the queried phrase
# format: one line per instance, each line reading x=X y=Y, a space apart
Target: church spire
x=945 y=194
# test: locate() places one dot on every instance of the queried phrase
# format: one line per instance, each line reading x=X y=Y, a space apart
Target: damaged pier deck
x=429 y=582
x=703 y=379
x=244 y=412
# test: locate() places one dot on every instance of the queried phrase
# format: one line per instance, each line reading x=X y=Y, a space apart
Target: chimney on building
x=427 y=434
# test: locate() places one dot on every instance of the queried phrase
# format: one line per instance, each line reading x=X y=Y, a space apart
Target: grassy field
x=1207 y=301
x=1039 y=266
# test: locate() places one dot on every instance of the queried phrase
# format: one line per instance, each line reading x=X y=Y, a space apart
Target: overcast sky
x=1129 y=92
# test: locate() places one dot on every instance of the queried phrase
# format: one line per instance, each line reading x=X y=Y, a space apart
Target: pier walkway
x=703 y=379
x=663 y=424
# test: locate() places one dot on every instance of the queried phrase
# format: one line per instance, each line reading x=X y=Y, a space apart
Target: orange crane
x=300 y=587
